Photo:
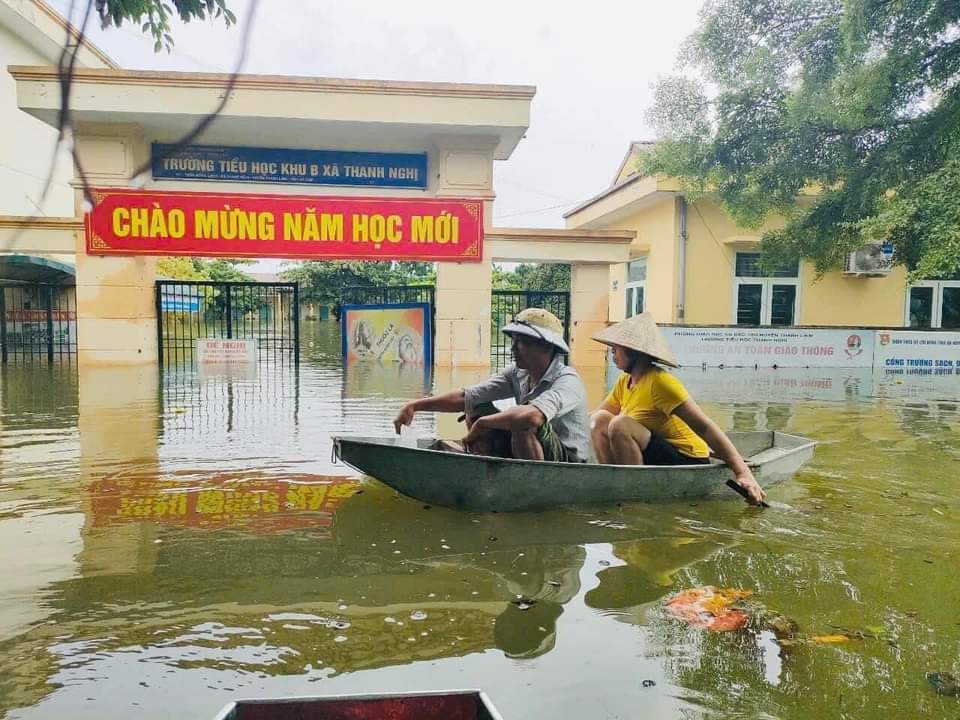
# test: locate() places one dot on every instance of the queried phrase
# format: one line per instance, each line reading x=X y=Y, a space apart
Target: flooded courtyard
x=170 y=545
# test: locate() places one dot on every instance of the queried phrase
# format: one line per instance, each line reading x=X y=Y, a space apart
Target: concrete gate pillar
x=589 y=313
x=116 y=316
x=465 y=169
x=463 y=314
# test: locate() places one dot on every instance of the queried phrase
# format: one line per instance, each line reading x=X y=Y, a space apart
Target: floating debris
x=523 y=603
x=709 y=608
x=944 y=683
x=340 y=638
x=418 y=615
x=389 y=620
x=830 y=639
x=783 y=627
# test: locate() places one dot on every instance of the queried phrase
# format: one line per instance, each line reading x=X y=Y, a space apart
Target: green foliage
x=321 y=280
x=194 y=268
x=532 y=277
x=853 y=103
x=153 y=16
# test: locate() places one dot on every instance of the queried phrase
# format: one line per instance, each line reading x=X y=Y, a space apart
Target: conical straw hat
x=639 y=333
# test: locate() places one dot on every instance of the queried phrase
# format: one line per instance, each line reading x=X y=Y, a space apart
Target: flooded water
x=171 y=544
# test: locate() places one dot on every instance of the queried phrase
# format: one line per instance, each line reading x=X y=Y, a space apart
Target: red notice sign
x=134 y=222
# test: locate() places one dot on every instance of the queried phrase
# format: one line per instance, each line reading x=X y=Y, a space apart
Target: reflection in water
x=174 y=542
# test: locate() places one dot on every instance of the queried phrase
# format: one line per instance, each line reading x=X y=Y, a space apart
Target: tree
x=194 y=268
x=852 y=106
x=322 y=281
x=153 y=16
x=526 y=276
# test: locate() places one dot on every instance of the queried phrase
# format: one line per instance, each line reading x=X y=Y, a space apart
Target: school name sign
x=132 y=222
x=278 y=165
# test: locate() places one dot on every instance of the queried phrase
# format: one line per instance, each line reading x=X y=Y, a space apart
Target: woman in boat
x=649 y=417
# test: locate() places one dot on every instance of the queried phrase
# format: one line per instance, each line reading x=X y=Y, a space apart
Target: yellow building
x=692 y=264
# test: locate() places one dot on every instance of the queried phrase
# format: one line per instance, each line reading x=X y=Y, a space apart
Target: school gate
x=190 y=310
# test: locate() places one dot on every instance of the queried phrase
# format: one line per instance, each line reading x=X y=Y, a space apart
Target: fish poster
x=398 y=334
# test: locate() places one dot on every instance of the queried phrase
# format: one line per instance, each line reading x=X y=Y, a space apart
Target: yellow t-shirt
x=651 y=402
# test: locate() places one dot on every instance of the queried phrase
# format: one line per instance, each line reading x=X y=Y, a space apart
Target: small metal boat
x=432 y=474
x=449 y=705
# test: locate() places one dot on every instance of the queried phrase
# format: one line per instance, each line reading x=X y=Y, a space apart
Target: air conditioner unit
x=869 y=261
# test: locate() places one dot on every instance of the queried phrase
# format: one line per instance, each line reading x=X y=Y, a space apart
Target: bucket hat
x=639 y=333
x=539 y=324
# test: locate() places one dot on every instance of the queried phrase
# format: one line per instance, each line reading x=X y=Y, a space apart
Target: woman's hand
x=717 y=439
x=745 y=479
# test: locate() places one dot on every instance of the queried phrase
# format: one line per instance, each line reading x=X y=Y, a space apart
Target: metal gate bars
x=507 y=303
x=37 y=322
x=188 y=310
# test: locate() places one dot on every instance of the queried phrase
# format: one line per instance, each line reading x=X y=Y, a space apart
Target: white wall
x=26 y=145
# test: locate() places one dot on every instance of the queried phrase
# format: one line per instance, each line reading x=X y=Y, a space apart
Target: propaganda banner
x=905 y=352
x=770 y=347
x=136 y=222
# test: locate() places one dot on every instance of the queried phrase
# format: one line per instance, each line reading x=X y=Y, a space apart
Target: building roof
x=287 y=111
x=623 y=179
x=601 y=195
x=33 y=269
x=636 y=149
x=42 y=27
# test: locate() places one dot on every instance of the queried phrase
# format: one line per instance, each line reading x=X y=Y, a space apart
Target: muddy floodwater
x=170 y=543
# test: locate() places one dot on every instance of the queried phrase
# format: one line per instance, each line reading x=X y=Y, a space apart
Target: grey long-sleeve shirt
x=560 y=396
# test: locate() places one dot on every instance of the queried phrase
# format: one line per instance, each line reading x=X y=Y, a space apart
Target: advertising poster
x=398 y=334
x=769 y=347
x=902 y=352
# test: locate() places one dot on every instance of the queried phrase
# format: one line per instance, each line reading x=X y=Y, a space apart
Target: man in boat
x=550 y=420
x=649 y=417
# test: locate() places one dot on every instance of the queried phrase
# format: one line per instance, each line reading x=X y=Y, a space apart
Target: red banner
x=221 y=500
x=134 y=222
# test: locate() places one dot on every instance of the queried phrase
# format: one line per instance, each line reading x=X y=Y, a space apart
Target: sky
x=593 y=65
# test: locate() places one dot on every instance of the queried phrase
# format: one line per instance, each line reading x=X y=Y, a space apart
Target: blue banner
x=178 y=304
x=290 y=166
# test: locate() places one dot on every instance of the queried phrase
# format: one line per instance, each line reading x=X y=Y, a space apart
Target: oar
x=742 y=492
